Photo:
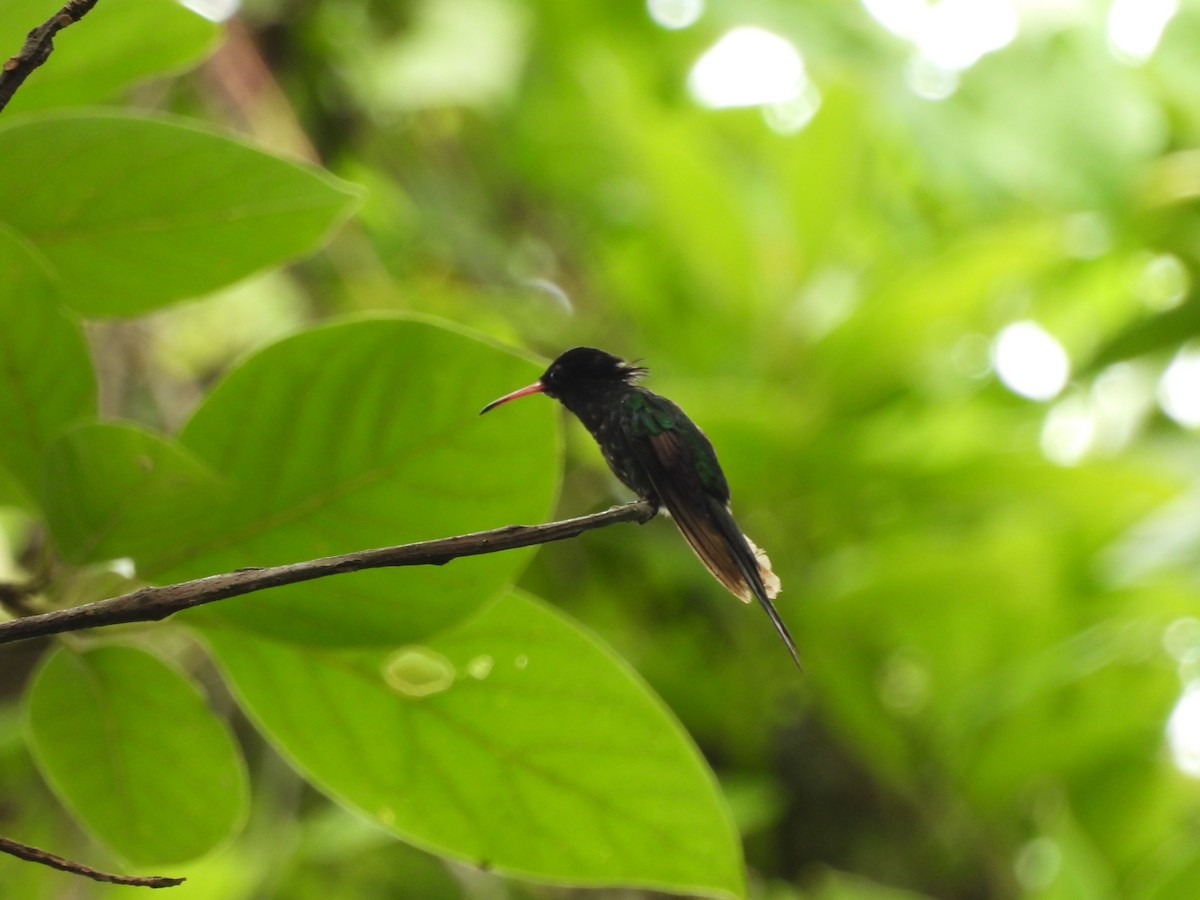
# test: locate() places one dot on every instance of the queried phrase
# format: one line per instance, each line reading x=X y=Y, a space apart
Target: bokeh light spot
x=675 y=14
x=1163 y=282
x=956 y=33
x=748 y=67
x=1183 y=731
x=950 y=36
x=1179 y=388
x=1030 y=361
x=1136 y=26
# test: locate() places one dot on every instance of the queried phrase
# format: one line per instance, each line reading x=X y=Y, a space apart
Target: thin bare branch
x=33 y=854
x=151 y=604
x=39 y=44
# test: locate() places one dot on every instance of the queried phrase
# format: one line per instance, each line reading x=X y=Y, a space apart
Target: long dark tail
x=780 y=627
x=733 y=560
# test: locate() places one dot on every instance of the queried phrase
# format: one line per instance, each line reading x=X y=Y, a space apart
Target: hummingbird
x=662 y=456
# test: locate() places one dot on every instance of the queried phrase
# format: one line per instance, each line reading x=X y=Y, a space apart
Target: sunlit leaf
x=357 y=435
x=516 y=742
x=133 y=212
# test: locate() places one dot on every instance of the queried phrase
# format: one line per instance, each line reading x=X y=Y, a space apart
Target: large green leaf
x=516 y=742
x=365 y=434
x=46 y=379
x=120 y=42
x=130 y=746
x=155 y=210
x=115 y=490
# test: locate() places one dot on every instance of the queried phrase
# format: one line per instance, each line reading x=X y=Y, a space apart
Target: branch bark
x=151 y=604
x=33 y=854
x=154 y=603
x=39 y=44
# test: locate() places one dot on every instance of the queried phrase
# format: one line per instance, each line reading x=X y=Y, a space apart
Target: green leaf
x=516 y=742
x=115 y=490
x=146 y=211
x=131 y=748
x=366 y=434
x=11 y=492
x=121 y=42
x=46 y=379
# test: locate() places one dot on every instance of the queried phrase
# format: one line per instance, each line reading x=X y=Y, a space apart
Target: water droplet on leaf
x=480 y=666
x=418 y=672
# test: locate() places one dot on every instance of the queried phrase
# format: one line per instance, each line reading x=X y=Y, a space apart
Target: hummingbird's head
x=585 y=370
x=579 y=373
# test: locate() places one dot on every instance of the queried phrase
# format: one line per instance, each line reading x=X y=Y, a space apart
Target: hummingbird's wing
x=682 y=466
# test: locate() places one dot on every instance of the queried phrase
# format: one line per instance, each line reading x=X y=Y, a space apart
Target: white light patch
x=1030 y=361
x=1183 y=731
x=123 y=567
x=214 y=10
x=748 y=67
x=951 y=35
x=675 y=14
x=1179 y=388
x=956 y=33
x=1136 y=26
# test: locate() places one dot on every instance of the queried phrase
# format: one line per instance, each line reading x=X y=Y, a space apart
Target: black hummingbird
x=663 y=457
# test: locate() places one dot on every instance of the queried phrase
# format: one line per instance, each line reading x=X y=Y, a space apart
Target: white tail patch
x=769 y=579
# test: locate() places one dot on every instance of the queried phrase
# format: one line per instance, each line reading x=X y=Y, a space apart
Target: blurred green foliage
x=996 y=597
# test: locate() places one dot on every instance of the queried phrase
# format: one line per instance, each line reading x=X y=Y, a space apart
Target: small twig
x=39 y=44
x=33 y=854
x=151 y=604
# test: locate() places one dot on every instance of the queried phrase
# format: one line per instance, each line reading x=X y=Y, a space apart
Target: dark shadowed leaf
x=46 y=379
x=116 y=490
x=130 y=746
